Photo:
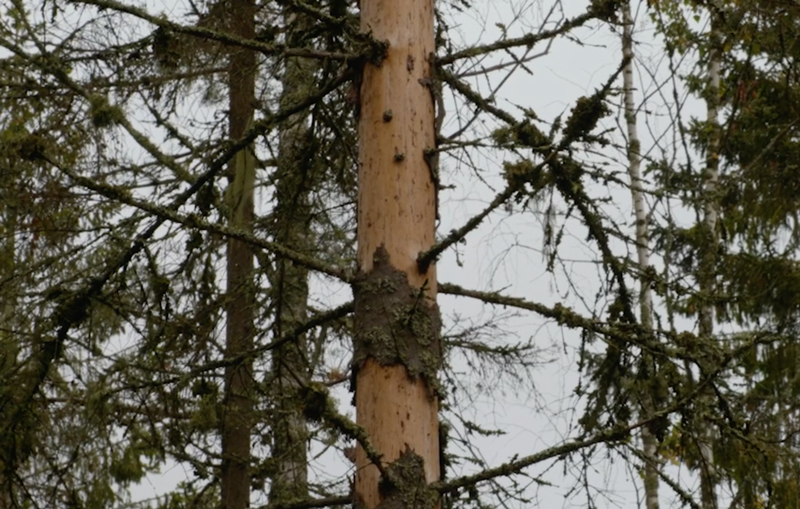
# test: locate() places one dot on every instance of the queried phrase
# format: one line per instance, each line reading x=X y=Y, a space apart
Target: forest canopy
x=399 y=254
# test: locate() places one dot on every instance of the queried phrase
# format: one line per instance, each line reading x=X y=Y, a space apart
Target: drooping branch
x=686 y=497
x=197 y=222
x=316 y=321
x=215 y=35
x=313 y=503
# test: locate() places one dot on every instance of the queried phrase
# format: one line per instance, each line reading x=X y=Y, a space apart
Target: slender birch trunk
x=708 y=253
x=291 y=225
x=649 y=442
x=397 y=325
x=237 y=420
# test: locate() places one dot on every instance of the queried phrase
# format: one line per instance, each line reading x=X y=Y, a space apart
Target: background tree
x=642 y=240
x=740 y=256
x=238 y=401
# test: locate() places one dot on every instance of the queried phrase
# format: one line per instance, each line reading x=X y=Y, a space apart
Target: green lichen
x=102 y=113
x=32 y=147
x=606 y=10
x=316 y=401
x=395 y=323
x=585 y=116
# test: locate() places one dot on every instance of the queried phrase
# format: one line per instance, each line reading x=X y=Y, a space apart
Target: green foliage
x=755 y=275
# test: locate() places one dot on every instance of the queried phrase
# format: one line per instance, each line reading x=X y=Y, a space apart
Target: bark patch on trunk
x=395 y=323
x=406 y=487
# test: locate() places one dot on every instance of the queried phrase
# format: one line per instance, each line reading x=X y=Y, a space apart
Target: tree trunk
x=708 y=254
x=397 y=325
x=238 y=400
x=9 y=342
x=291 y=226
x=649 y=442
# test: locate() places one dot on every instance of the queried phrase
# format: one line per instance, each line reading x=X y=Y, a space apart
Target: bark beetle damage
x=408 y=488
x=395 y=323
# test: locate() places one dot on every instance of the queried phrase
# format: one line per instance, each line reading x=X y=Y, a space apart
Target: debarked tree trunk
x=397 y=336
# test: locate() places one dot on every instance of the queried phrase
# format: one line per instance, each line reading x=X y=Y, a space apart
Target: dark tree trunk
x=237 y=418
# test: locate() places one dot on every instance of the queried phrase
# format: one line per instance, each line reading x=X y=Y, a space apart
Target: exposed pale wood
x=397 y=200
x=395 y=412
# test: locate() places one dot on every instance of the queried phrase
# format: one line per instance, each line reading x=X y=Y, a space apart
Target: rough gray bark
x=649 y=442
x=291 y=226
x=237 y=420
